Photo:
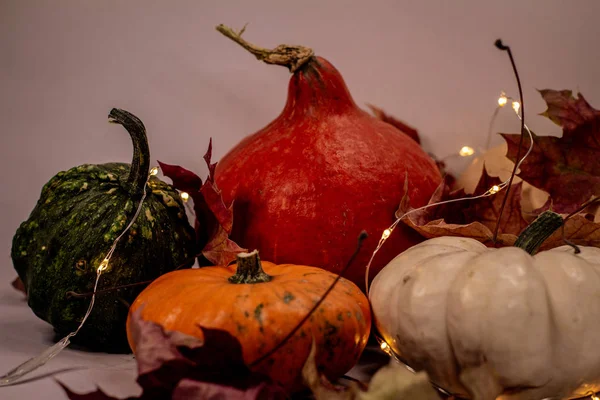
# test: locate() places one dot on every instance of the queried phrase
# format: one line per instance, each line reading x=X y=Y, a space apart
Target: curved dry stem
x=503 y=47
x=292 y=57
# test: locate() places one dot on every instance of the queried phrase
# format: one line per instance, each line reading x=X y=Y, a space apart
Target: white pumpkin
x=487 y=322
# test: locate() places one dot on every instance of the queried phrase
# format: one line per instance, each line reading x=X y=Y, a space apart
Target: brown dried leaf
x=214 y=219
x=580 y=229
x=475 y=218
x=408 y=130
x=173 y=365
x=319 y=385
x=568 y=168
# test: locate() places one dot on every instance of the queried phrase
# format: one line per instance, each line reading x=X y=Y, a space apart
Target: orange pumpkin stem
x=249 y=269
x=292 y=57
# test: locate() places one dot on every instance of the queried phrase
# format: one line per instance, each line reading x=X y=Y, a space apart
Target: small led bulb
x=495 y=189
x=502 y=100
x=466 y=151
x=103 y=265
x=154 y=171
x=384 y=346
x=386 y=234
x=595 y=396
x=516 y=105
x=185 y=196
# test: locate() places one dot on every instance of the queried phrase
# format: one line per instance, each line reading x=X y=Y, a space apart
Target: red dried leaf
x=214 y=219
x=216 y=205
x=190 y=389
x=221 y=250
x=19 y=285
x=568 y=168
x=408 y=130
x=207 y=158
x=475 y=218
x=172 y=365
x=182 y=178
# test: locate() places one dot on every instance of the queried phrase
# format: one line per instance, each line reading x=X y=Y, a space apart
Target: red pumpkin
x=261 y=307
x=321 y=172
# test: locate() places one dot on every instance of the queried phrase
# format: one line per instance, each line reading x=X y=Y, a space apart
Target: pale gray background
x=64 y=64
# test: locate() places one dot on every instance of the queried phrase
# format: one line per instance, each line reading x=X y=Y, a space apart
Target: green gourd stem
x=249 y=269
x=538 y=231
x=140 y=164
x=292 y=57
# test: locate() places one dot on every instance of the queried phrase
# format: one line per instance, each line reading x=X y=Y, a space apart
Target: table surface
x=23 y=335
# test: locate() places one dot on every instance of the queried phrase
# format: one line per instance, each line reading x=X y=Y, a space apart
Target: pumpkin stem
x=249 y=269
x=140 y=164
x=538 y=231
x=292 y=57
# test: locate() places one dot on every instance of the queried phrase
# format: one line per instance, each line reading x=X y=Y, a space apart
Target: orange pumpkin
x=262 y=306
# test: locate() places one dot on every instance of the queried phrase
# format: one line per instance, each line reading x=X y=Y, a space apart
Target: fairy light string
x=467 y=151
x=35 y=362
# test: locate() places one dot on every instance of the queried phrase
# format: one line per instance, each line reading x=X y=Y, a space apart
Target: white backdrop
x=432 y=63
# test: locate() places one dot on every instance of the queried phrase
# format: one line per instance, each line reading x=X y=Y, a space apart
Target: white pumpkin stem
x=538 y=231
x=249 y=269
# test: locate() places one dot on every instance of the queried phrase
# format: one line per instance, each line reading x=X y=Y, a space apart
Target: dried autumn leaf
x=211 y=166
x=487 y=210
x=319 y=385
x=19 y=285
x=214 y=201
x=408 y=130
x=172 y=365
x=221 y=250
x=475 y=218
x=183 y=179
x=568 y=168
x=214 y=219
x=580 y=229
x=391 y=382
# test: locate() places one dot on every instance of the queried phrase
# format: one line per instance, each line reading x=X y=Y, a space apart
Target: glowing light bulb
x=516 y=105
x=384 y=346
x=103 y=265
x=386 y=234
x=185 y=196
x=154 y=171
x=495 y=189
x=466 y=151
x=502 y=100
x=595 y=396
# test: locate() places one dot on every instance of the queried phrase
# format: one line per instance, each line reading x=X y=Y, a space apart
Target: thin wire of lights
x=41 y=359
